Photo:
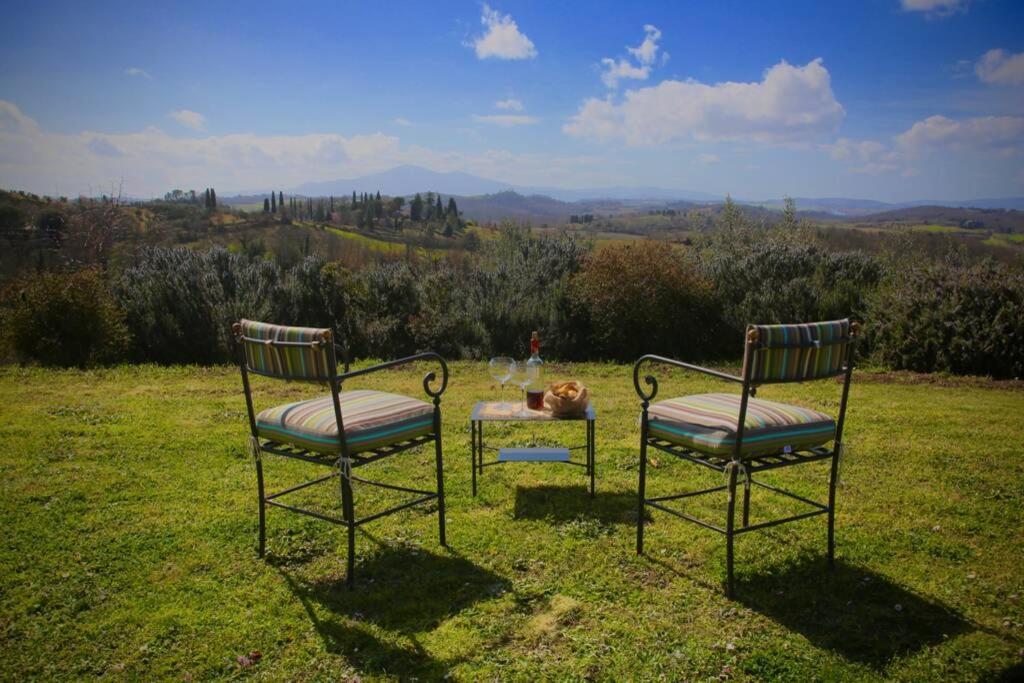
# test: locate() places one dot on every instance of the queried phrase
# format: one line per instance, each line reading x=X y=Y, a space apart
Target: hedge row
x=176 y=305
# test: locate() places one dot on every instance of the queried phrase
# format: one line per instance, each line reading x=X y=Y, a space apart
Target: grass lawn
x=128 y=548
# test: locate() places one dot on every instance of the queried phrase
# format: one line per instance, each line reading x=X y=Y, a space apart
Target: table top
x=493 y=411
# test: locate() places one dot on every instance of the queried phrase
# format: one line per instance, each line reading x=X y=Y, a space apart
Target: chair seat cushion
x=707 y=423
x=372 y=419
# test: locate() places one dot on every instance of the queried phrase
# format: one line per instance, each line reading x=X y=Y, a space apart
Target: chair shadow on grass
x=850 y=610
x=401 y=590
x=567 y=503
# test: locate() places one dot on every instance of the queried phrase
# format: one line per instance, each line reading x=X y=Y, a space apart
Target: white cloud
x=135 y=71
x=189 y=119
x=507 y=120
x=1001 y=67
x=791 y=104
x=864 y=156
x=616 y=70
x=645 y=55
x=13 y=122
x=509 y=105
x=152 y=161
x=980 y=133
x=402 y=121
x=647 y=51
x=845 y=149
x=708 y=159
x=502 y=39
x=935 y=8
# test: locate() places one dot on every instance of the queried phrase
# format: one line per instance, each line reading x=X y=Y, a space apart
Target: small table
x=491 y=411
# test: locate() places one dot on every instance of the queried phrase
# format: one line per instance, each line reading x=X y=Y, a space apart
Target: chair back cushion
x=309 y=360
x=795 y=353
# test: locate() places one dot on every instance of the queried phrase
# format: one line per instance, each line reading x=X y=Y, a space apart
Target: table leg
x=472 y=429
x=590 y=453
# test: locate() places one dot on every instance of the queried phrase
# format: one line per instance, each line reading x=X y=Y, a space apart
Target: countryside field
x=129 y=548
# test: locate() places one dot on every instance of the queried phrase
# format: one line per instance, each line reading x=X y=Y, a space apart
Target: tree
x=280 y=199
x=353 y=197
x=266 y=205
x=206 y=198
x=452 y=208
x=416 y=208
x=789 y=221
x=731 y=217
x=213 y=198
x=273 y=203
x=439 y=208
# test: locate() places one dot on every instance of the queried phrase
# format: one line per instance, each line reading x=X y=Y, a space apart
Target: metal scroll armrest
x=428 y=378
x=652 y=382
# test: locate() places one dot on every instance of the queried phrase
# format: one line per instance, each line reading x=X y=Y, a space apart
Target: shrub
x=180 y=303
x=646 y=298
x=949 y=317
x=773 y=280
x=63 y=319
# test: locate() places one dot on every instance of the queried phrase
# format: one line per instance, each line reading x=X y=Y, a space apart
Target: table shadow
x=567 y=503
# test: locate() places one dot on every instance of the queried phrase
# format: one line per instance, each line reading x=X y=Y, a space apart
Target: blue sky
x=885 y=99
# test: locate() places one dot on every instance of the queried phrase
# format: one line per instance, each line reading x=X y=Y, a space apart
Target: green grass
x=129 y=530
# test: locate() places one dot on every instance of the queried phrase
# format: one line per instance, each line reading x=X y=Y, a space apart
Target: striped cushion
x=372 y=419
x=707 y=423
x=793 y=353
x=292 y=362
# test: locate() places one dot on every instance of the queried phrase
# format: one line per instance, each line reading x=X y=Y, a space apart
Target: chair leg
x=440 y=488
x=746 y=500
x=729 y=532
x=833 y=476
x=350 y=524
x=643 y=489
x=263 y=506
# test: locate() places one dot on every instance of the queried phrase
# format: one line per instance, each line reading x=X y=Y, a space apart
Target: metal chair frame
x=735 y=465
x=344 y=462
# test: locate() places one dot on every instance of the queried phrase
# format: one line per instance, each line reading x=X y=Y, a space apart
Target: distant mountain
x=511 y=205
x=622 y=193
x=405 y=180
x=408 y=180
x=844 y=206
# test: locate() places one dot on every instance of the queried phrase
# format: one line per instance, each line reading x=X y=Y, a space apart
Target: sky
x=893 y=100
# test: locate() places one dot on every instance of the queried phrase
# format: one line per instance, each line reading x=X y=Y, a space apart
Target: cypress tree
x=453 y=210
x=416 y=208
x=213 y=198
x=266 y=205
x=273 y=203
x=439 y=209
x=280 y=199
x=353 y=197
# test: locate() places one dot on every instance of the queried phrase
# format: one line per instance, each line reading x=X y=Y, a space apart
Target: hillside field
x=129 y=545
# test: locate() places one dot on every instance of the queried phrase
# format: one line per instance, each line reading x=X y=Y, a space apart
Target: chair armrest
x=427 y=378
x=653 y=383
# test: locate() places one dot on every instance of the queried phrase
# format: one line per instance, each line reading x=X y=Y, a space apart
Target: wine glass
x=501 y=369
x=521 y=377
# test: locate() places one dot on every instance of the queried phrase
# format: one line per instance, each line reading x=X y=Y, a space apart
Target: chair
x=740 y=435
x=343 y=430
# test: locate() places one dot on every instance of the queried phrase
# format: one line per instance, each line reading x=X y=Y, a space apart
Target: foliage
x=66 y=319
x=646 y=298
x=180 y=303
x=775 y=277
x=950 y=317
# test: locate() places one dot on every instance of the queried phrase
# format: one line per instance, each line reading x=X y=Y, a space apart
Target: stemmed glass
x=501 y=369
x=521 y=377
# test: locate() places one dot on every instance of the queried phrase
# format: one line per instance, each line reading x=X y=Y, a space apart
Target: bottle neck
x=534 y=348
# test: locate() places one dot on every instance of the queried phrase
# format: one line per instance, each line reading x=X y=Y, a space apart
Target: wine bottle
x=535 y=371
